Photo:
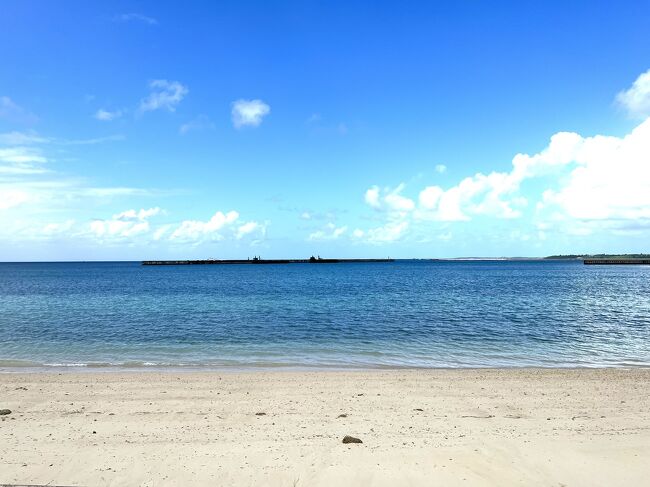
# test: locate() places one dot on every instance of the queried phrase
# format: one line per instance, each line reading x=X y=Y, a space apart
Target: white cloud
x=128 y=223
x=164 y=95
x=330 y=232
x=592 y=179
x=249 y=112
x=636 y=99
x=137 y=215
x=93 y=141
x=137 y=18
x=396 y=202
x=388 y=233
x=608 y=180
x=389 y=199
x=440 y=168
x=106 y=116
x=372 y=197
x=22 y=155
x=161 y=231
x=197 y=229
x=246 y=229
x=22 y=138
x=29 y=138
x=476 y=195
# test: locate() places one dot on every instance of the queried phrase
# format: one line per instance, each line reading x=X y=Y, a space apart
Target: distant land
x=597 y=256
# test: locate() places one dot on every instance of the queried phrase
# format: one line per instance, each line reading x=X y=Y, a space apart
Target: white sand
x=487 y=427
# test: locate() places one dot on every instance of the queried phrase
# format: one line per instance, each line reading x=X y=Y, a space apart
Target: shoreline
x=253 y=369
x=477 y=427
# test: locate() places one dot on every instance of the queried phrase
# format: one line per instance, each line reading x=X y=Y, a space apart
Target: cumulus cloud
x=246 y=229
x=330 y=232
x=107 y=116
x=372 y=197
x=389 y=199
x=165 y=95
x=249 y=113
x=128 y=223
x=476 y=195
x=609 y=178
x=396 y=202
x=440 y=168
x=137 y=215
x=636 y=99
x=592 y=179
x=388 y=233
x=197 y=229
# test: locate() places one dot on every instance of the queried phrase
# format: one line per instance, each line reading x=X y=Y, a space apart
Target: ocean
x=365 y=315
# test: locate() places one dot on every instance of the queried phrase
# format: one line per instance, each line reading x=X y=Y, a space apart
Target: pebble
x=351 y=439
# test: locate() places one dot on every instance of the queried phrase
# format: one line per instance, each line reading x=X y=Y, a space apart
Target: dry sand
x=418 y=427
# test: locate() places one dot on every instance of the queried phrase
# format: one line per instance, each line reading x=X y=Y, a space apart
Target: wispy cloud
x=12 y=197
x=249 y=113
x=32 y=138
x=11 y=111
x=134 y=17
x=107 y=116
x=202 y=122
x=22 y=138
x=91 y=141
x=22 y=155
x=330 y=232
x=165 y=95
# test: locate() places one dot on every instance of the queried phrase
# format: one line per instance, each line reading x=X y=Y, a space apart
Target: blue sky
x=132 y=130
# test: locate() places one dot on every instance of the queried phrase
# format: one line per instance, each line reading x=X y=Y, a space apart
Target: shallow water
x=401 y=314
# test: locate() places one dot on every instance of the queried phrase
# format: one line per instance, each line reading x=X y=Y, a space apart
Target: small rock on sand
x=342 y=416
x=260 y=414
x=4 y=412
x=351 y=439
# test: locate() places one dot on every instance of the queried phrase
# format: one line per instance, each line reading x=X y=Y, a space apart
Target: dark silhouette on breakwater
x=258 y=260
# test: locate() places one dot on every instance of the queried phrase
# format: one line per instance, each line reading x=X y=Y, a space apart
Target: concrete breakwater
x=616 y=261
x=312 y=260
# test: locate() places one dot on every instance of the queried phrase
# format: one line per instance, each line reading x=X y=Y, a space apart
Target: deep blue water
x=425 y=314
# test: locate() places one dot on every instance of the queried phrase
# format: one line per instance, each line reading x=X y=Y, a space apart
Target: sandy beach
x=278 y=428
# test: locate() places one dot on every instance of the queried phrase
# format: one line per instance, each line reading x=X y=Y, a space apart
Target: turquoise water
x=401 y=314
